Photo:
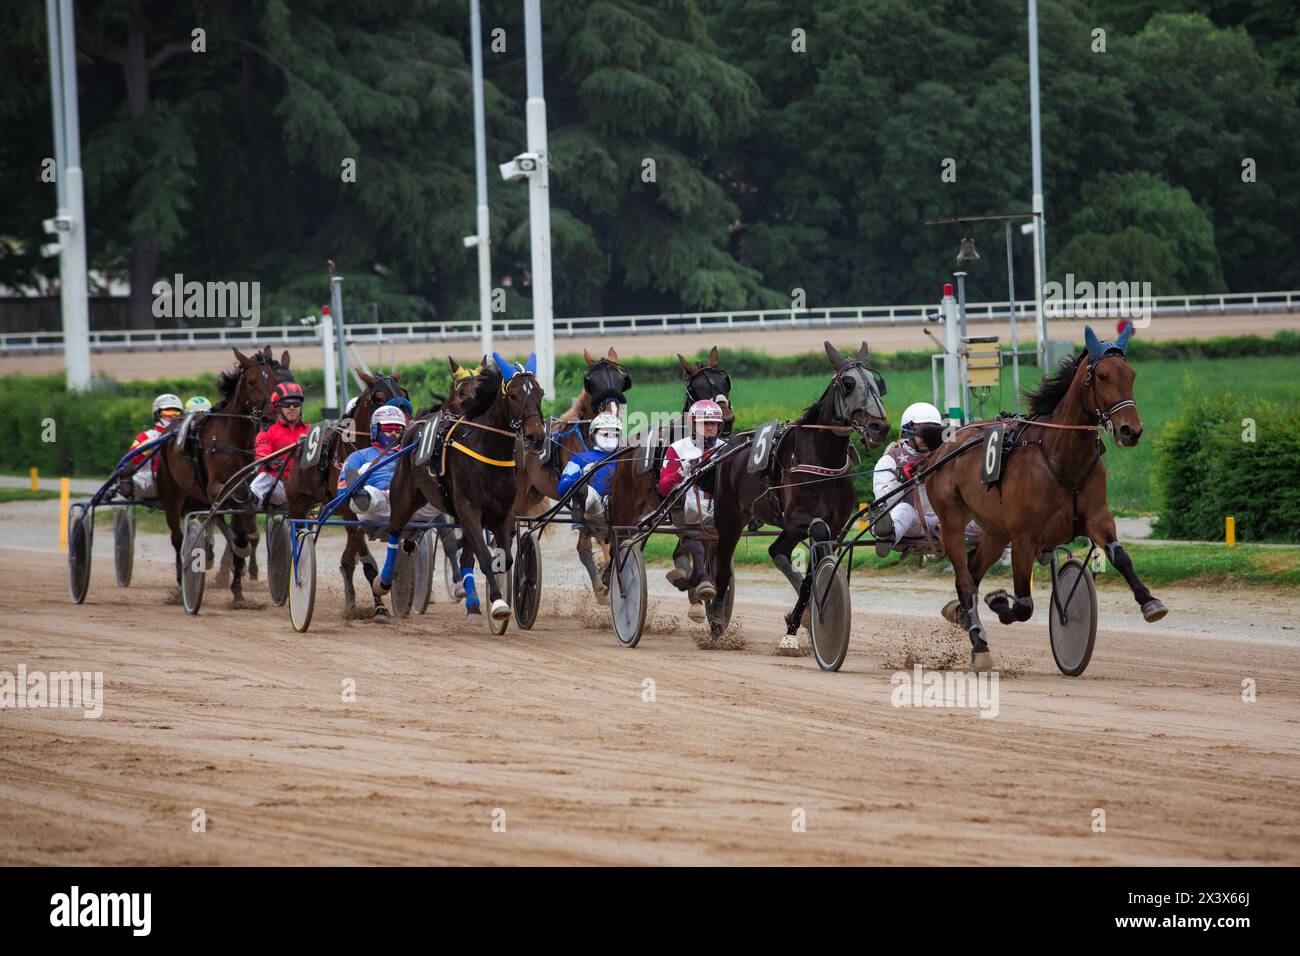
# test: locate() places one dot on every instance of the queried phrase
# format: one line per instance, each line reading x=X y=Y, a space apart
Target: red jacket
x=149 y=434
x=279 y=435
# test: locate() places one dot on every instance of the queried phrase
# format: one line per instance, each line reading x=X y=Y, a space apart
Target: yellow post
x=1232 y=531
x=65 y=493
x=36 y=481
x=863 y=523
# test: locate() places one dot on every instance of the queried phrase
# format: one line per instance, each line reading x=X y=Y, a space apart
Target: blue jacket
x=573 y=471
x=362 y=457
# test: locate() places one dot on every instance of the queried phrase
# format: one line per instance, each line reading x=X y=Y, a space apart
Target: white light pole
x=1036 y=146
x=539 y=201
x=70 y=224
x=482 y=236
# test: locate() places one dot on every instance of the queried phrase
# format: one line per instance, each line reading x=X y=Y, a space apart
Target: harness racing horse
x=305 y=488
x=471 y=475
x=222 y=443
x=805 y=489
x=1042 y=499
x=604 y=389
x=635 y=493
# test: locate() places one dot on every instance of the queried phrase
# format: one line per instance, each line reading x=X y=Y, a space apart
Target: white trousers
x=907 y=522
x=379 y=509
x=699 y=506
x=265 y=483
x=144 y=482
x=595 y=507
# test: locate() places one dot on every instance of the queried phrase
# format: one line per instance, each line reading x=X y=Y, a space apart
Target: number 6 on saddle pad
x=991 y=454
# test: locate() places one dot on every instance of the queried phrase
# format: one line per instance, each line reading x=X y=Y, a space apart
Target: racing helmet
x=198 y=404
x=705 y=410
x=165 y=402
x=386 y=415
x=606 y=431
x=286 y=393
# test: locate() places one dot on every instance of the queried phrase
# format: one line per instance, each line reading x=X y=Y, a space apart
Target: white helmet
x=165 y=401
x=606 y=431
x=387 y=415
x=920 y=413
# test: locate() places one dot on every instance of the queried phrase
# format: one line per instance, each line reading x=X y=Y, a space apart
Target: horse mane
x=580 y=410
x=813 y=411
x=1044 y=399
x=485 y=393
x=228 y=380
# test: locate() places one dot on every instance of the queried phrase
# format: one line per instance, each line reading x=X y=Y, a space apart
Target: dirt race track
x=233 y=713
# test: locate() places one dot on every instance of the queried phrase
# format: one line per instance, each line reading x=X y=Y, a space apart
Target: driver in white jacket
x=921 y=432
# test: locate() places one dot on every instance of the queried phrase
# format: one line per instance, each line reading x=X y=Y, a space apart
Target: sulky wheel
x=194 y=564
x=528 y=580
x=1072 y=617
x=627 y=594
x=124 y=545
x=302 y=583
x=403 y=592
x=830 y=614
x=425 y=559
x=80 y=535
x=279 y=558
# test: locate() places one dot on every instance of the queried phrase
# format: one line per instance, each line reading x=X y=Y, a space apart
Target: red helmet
x=286 y=393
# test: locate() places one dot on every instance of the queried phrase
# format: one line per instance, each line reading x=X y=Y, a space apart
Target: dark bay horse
x=477 y=487
x=806 y=489
x=604 y=389
x=635 y=493
x=1052 y=488
x=222 y=441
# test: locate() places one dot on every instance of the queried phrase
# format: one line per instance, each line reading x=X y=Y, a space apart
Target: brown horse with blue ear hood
x=1052 y=487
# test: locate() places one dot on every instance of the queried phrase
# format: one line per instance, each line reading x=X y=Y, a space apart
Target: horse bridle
x=599 y=399
x=517 y=424
x=1104 y=415
x=693 y=396
x=875 y=383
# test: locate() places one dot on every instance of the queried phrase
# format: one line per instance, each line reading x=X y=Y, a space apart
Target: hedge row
x=1226 y=456
x=93 y=430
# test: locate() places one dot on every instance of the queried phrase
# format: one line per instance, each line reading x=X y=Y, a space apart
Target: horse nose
x=1129 y=434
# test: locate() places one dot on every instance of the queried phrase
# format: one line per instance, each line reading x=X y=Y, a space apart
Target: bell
x=967 y=251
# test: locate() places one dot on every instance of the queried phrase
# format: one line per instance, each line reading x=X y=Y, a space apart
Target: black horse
x=805 y=489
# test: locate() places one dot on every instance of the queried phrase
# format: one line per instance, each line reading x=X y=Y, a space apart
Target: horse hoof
x=996 y=597
x=458 y=591
x=952 y=612
x=675 y=575
x=981 y=661
x=696 y=612
x=788 y=646
x=500 y=610
x=1153 y=611
x=706 y=591
x=600 y=591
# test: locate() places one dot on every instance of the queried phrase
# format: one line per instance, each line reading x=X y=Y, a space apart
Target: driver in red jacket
x=288 y=427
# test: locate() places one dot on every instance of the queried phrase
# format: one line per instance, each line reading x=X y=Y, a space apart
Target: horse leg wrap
x=390 y=562
x=796 y=614
x=974 y=626
x=589 y=563
x=1023 y=608
x=471 y=594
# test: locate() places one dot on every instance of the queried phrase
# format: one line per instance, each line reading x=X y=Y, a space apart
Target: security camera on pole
x=533 y=166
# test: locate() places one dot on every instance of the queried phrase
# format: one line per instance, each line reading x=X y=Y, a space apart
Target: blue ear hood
x=531 y=364
x=1097 y=348
x=507 y=369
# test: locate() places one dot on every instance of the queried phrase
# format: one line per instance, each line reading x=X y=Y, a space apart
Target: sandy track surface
x=154 y=365
x=233 y=713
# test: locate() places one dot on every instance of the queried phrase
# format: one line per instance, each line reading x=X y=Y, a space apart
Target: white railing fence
x=655 y=324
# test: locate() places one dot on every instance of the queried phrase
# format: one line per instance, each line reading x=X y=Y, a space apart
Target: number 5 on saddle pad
x=991 y=454
x=762 y=446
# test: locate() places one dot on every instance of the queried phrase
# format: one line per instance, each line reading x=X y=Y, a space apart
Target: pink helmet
x=705 y=411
